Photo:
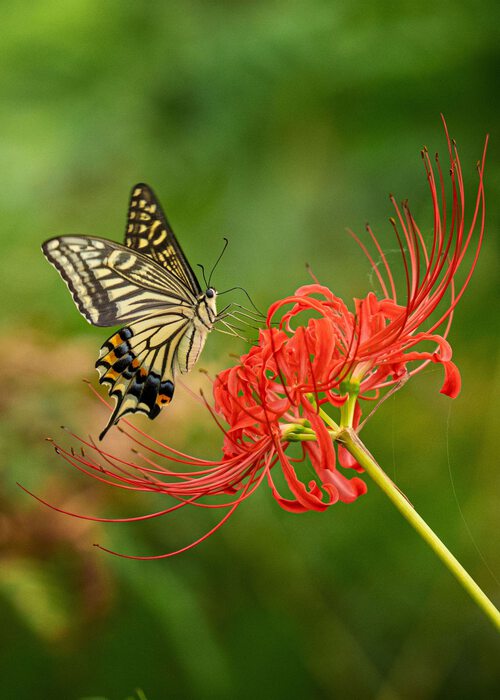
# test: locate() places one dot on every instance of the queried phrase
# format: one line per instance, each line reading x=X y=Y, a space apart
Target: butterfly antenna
x=226 y=243
x=203 y=271
x=247 y=296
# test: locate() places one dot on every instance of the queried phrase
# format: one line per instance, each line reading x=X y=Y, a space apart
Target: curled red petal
x=452 y=380
x=289 y=504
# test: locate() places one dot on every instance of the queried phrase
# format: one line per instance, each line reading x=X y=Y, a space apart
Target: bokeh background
x=278 y=125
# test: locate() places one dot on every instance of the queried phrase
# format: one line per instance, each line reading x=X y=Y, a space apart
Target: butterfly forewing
x=110 y=283
x=149 y=232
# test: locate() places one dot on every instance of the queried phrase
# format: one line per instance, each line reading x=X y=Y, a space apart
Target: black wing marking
x=112 y=284
x=149 y=232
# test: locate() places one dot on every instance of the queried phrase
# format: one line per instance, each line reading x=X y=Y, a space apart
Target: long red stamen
x=192 y=544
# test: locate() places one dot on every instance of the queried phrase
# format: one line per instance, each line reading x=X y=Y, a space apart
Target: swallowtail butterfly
x=148 y=286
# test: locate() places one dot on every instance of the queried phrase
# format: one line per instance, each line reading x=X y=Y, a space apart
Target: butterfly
x=147 y=285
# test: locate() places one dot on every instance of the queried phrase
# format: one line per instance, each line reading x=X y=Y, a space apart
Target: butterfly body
x=148 y=285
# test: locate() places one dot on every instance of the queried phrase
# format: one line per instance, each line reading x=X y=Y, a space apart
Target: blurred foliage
x=277 y=124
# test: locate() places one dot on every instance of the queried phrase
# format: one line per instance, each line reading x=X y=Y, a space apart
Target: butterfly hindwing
x=149 y=232
x=110 y=283
x=138 y=364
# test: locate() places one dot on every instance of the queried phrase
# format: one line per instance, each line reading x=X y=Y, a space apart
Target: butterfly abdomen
x=194 y=338
x=190 y=347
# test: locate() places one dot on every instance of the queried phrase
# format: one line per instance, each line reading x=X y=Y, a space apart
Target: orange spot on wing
x=111 y=358
x=162 y=400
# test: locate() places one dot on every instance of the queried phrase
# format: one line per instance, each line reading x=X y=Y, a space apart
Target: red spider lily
x=371 y=348
x=340 y=357
x=315 y=353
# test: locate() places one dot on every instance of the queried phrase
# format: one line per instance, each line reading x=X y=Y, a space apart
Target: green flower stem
x=347 y=410
x=357 y=449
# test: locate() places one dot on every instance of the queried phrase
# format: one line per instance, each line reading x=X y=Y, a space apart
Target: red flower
x=316 y=354
x=265 y=402
x=370 y=349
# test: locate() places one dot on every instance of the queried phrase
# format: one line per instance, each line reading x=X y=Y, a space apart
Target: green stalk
x=347 y=410
x=357 y=449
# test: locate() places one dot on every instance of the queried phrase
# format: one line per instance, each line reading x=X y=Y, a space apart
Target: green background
x=278 y=125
